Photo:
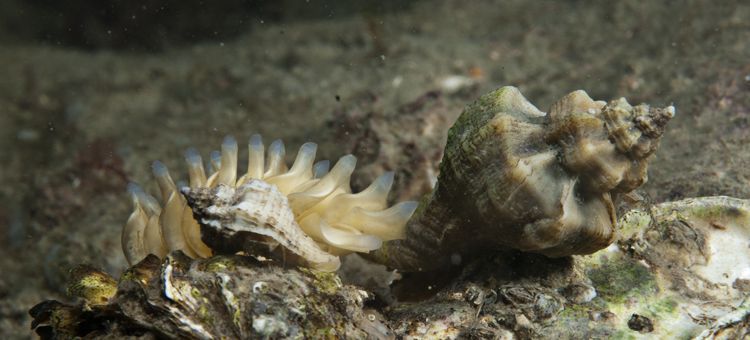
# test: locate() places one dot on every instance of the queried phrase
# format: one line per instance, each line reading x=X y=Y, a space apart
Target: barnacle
x=307 y=209
x=515 y=177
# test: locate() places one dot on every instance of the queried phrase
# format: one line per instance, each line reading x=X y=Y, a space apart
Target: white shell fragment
x=308 y=209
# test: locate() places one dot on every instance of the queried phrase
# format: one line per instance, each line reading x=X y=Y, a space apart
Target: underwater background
x=92 y=92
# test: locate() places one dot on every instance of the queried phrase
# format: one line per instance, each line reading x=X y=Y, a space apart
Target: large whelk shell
x=515 y=177
x=256 y=213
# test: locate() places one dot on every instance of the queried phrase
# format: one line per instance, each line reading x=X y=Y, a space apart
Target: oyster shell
x=684 y=264
x=515 y=177
x=701 y=245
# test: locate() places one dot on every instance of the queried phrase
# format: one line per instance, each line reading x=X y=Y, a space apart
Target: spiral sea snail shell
x=306 y=211
x=515 y=177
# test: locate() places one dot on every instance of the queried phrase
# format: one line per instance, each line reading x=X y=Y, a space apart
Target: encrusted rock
x=232 y=297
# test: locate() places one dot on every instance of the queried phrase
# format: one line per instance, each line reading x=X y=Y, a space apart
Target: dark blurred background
x=155 y=25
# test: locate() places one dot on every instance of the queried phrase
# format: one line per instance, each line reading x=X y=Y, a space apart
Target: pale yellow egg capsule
x=306 y=209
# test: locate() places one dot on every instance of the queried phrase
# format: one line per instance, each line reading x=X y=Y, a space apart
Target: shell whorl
x=635 y=130
x=516 y=178
x=307 y=209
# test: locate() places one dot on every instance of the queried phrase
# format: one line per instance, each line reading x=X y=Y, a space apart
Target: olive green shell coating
x=515 y=177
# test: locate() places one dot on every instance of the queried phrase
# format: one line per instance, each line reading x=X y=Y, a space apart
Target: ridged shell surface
x=515 y=177
x=255 y=212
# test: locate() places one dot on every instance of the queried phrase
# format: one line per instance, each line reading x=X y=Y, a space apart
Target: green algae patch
x=624 y=335
x=632 y=223
x=618 y=279
x=662 y=307
x=575 y=312
x=711 y=211
x=325 y=282
x=219 y=264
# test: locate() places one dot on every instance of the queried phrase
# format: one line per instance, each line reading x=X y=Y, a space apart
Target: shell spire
x=636 y=130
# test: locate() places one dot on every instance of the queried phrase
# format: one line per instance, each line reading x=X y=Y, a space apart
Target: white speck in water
x=396 y=82
x=453 y=83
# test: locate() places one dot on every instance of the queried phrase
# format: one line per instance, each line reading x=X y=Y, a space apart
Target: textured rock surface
x=222 y=297
x=665 y=278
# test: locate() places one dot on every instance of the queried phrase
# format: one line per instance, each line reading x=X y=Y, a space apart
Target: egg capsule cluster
x=320 y=199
